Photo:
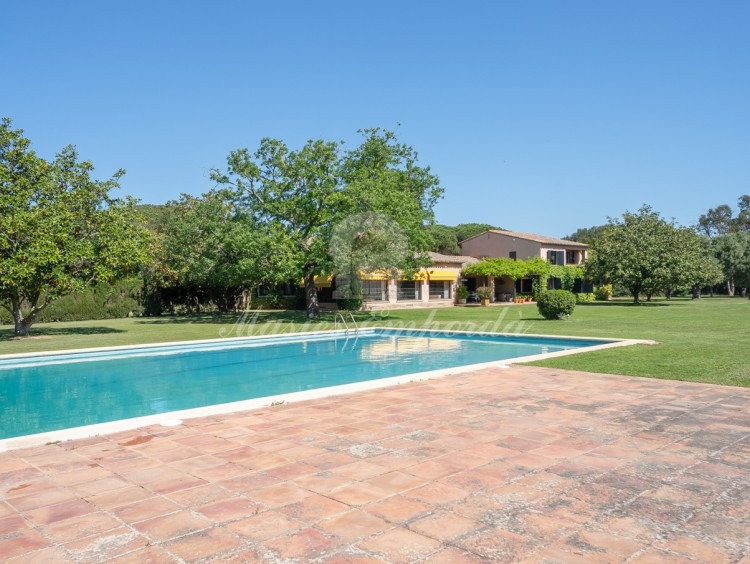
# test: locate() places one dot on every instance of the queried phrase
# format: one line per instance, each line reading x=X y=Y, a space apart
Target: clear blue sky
x=537 y=116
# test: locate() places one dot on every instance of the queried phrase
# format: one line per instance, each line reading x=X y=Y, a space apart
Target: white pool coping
x=170 y=418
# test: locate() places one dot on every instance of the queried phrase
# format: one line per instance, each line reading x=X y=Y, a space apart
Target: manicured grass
x=702 y=341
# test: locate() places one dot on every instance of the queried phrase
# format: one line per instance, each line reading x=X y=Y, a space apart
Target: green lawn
x=702 y=341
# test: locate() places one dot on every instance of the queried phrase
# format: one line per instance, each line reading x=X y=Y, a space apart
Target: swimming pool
x=50 y=392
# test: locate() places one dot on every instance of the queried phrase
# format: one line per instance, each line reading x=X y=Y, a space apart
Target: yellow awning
x=438 y=275
x=323 y=281
x=320 y=281
x=419 y=275
x=375 y=275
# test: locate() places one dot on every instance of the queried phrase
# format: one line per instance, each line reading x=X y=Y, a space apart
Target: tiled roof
x=536 y=238
x=457 y=259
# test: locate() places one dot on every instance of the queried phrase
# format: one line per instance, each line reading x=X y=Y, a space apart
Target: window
x=440 y=290
x=512 y=255
x=408 y=290
x=288 y=290
x=373 y=290
x=524 y=286
x=570 y=257
x=264 y=291
x=556 y=257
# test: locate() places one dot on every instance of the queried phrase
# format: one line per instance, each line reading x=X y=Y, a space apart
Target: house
x=434 y=286
x=496 y=243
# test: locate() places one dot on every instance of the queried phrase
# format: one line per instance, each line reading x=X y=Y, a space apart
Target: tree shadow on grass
x=231 y=318
x=295 y=319
x=672 y=303
x=41 y=332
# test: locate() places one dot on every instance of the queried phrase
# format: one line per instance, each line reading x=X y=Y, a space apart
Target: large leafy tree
x=689 y=263
x=647 y=254
x=211 y=252
x=732 y=250
x=297 y=197
x=60 y=230
x=743 y=215
x=721 y=219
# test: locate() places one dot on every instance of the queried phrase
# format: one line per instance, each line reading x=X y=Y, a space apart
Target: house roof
x=457 y=259
x=534 y=237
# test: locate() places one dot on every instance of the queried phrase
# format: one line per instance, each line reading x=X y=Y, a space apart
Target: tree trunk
x=636 y=295
x=696 y=292
x=730 y=286
x=311 y=295
x=22 y=326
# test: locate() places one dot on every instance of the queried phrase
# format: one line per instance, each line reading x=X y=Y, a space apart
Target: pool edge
x=87 y=431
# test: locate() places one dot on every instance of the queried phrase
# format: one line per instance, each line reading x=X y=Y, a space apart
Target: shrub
x=556 y=304
x=484 y=293
x=462 y=292
x=122 y=298
x=603 y=292
x=585 y=297
x=349 y=304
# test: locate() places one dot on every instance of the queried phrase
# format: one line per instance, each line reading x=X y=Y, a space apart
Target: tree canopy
x=210 y=252
x=721 y=219
x=586 y=235
x=732 y=250
x=297 y=197
x=60 y=230
x=647 y=254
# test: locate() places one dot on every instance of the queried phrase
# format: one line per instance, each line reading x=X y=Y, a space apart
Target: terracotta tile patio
x=522 y=465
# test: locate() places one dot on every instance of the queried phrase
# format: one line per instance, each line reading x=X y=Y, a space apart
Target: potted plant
x=462 y=292
x=518 y=300
x=485 y=294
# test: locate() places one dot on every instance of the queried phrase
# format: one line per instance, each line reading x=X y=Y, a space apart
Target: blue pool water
x=55 y=392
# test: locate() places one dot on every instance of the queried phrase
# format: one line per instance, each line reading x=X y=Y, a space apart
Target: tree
x=721 y=220
x=710 y=274
x=689 y=262
x=211 y=252
x=743 y=215
x=586 y=235
x=733 y=253
x=717 y=221
x=155 y=215
x=60 y=231
x=365 y=243
x=297 y=197
x=646 y=254
x=444 y=239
